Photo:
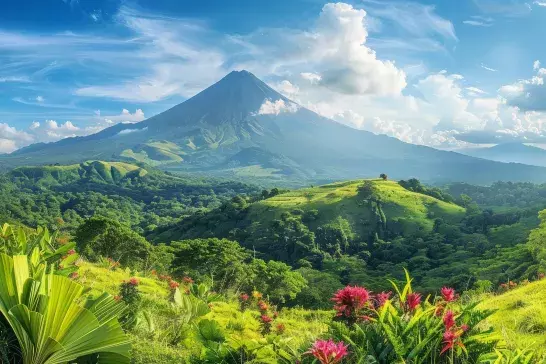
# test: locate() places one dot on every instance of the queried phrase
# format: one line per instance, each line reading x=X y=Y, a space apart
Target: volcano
x=241 y=126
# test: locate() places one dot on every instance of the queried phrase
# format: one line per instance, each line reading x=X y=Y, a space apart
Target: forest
x=155 y=267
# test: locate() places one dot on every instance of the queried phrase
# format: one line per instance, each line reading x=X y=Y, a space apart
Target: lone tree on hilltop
x=383 y=176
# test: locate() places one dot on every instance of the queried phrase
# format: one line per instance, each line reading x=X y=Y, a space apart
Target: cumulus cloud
x=527 y=94
x=349 y=66
x=287 y=88
x=47 y=131
x=276 y=107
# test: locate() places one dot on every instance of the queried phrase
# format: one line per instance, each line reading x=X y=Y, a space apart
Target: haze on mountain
x=510 y=153
x=242 y=127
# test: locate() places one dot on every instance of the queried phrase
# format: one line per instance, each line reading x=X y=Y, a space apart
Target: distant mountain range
x=242 y=127
x=510 y=153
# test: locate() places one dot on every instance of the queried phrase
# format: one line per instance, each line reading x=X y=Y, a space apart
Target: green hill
x=339 y=205
x=406 y=212
x=95 y=171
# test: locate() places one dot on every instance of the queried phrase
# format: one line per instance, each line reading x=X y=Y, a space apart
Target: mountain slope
x=208 y=132
x=511 y=153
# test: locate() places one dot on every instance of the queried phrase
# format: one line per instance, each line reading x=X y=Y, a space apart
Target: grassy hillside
x=520 y=315
x=407 y=212
x=301 y=326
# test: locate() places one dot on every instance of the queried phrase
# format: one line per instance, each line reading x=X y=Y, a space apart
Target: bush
x=104 y=237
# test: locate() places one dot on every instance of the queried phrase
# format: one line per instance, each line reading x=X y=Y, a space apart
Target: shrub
x=51 y=325
x=408 y=328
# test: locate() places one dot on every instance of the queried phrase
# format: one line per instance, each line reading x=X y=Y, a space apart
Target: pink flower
x=449 y=320
x=266 y=319
x=413 y=300
x=465 y=327
x=448 y=294
x=71 y=252
x=187 y=280
x=244 y=297
x=382 y=297
x=133 y=281
x=328 y=352
x=350 y=299
x=174 y=285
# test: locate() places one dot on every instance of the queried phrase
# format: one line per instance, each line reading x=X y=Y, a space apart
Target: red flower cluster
x=540 y=276
x=350 y=300
x=244 y=297
x=452 y=334
x=164 y=277
x=280 y=329
x=413 y=300
x=266 y=319
x=71 y=252
x=173 y=285
x=382 y=297
x=328 y=352
x=133 y=281
x=187 y=280
x=448 y=294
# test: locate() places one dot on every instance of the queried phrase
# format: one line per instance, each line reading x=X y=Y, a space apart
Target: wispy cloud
x=479 y=21
x=488 y=68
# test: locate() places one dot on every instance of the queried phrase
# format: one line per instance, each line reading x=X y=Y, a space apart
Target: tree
x=218 y=260
x=108 y=238
x=277 y=280
x=383 y=176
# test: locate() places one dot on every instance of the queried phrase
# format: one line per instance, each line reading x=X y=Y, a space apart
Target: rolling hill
x=337 y=204
x=226 y=130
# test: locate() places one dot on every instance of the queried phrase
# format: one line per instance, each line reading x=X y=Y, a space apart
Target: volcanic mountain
x=241 y=126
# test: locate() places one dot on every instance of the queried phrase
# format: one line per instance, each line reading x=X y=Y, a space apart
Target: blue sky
x=449 y=74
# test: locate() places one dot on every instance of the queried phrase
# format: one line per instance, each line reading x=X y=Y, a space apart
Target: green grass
x=520 y=316
x=406 y=211
x=302 y=326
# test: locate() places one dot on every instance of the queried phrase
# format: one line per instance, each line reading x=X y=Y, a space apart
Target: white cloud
x=130 y=131
x=14 y=79
x=51 y=130
x=348 y=65
x=40 y=99
x=536 y=65
x=287 y=88
x=488 y=68
x=311 y=77
x=276 y=107
x=415 y=19
x=474 y=91
x=540 y=3
x=477 y=23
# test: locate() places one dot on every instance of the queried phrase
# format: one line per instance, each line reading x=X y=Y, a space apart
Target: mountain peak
x=235 y=97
